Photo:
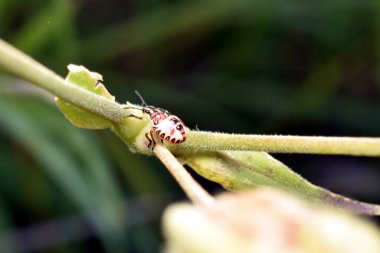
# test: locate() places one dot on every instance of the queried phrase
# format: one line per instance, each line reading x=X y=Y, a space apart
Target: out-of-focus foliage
x=265 y=221
x=273 y=67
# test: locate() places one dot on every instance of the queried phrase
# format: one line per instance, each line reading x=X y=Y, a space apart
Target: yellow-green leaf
x=243 y=170
x=91 y=81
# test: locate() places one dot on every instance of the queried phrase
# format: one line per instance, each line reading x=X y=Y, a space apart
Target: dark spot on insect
x=179 y=127
x=172 y=140
x=178 y=141
x=175 y=120
x=184 y=138
x=158 y=131
x=154 y=128
x=167 y=138
x=162 y=135
x=148 y=111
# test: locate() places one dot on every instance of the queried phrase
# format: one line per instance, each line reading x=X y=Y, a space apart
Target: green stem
x=355 y=146
x=24 y=66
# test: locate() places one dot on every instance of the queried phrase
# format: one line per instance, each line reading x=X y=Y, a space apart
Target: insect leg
x=153 y=140
x=150 y=138
x=134 y=116
x=151 y=135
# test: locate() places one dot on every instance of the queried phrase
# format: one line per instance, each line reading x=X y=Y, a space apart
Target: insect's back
x=168 y=127
x=171 y=129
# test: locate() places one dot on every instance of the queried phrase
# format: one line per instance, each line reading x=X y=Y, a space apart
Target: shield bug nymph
x=167 y=126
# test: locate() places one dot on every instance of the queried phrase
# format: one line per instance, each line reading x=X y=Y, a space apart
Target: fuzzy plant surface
x=265 y=220
x=237 y=162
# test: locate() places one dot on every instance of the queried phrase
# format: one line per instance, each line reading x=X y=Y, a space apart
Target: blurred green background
x=258 y=66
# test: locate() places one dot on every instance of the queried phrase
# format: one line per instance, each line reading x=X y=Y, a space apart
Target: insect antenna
x=141 y=98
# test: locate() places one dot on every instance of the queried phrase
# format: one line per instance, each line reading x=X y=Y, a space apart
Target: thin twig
x=193 y=190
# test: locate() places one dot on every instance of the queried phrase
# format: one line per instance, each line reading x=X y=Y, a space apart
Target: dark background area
x=261 y=67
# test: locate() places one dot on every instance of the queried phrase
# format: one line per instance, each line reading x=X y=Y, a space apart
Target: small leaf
x=90 y=81
x=242 y=170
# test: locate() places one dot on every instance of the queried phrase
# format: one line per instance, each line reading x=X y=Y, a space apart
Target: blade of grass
x=63 y=169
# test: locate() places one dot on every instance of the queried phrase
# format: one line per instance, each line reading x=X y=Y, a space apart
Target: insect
x=167 y=126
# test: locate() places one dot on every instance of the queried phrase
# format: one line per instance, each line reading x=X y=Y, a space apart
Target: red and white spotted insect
x=167 y=126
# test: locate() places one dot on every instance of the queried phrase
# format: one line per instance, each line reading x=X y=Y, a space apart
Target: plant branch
x=193 y=190
x=355 y=146
x=24 y=66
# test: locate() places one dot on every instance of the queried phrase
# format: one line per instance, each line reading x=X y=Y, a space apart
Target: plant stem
x=193 y=190
x=24 y=66
x=18 y=63
x=355 y=146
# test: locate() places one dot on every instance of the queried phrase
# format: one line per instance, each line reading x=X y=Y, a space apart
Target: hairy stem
x=193 y=190
x=355 y=146
x=27 y=68
x=23 y=66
